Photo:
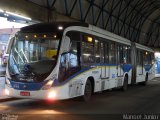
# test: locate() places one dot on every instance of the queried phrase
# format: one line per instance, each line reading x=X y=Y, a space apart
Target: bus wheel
x=125 y=84
x=87 y=91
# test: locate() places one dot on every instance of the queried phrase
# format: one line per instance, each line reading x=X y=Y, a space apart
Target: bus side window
x=106 y=52
x=129 y=55
x=120 y=54
x=102 y=52
x=88 y=57
x=137 y=58
x=145 y=57
x=63 y=67
x=70 y=61
x=125 y=54
x=97 y=51
x=74 y=63
x=112 y=50
x=68 y=66
x=152 y=58
x=141 y=58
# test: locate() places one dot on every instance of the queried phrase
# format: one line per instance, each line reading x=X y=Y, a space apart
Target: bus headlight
x=51 y=95
x=47 y=85
x=6 y=92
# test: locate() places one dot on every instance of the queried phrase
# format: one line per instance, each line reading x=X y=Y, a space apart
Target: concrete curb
x=5 y=99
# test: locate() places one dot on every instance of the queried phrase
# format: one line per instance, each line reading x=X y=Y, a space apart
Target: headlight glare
x=7 y=81
x=47 y=85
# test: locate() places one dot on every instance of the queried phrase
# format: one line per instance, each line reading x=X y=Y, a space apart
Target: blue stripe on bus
x=57 y=83
x=27 y=86
x=37 y=86
x=126 y=67
x=147 y=67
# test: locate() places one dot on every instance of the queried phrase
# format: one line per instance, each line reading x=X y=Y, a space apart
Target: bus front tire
x=87 y=91
x=125 y=84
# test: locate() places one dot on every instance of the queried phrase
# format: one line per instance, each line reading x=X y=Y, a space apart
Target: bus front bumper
x=51 y=94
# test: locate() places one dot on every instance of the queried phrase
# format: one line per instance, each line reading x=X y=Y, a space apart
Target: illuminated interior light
x=85 y=54
x=35 y=36
x=60 y=27
x=89 y=39
x=44 y=36
x=74 y=50
x=96 y=41
x=146 y=53
x=10 y=13
x=97 y=56
x=55 y=36
x=26 y=36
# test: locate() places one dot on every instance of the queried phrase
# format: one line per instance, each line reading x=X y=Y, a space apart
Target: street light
x=7 y=14
x=10 y=13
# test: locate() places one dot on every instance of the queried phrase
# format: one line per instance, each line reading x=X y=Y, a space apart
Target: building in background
x=4 y=37
x=8 y=28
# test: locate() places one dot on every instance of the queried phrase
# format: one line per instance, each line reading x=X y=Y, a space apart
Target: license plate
x=25 y=93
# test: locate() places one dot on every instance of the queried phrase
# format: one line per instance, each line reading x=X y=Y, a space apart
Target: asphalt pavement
x=138 y=100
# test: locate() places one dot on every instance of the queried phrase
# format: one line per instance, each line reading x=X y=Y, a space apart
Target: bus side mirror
x=10 y=42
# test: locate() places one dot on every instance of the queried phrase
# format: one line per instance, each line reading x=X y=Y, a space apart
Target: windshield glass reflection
x=33 y=56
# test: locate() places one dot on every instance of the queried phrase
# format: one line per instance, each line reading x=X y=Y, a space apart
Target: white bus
x=63 y=60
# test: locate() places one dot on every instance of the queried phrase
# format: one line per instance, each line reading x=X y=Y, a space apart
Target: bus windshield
x=33 y=56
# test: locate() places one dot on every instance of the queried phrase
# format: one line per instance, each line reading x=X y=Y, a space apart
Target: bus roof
x=142 y=47
x=50 y=27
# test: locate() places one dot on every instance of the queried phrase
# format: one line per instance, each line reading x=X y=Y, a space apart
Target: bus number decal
x=16 y=86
